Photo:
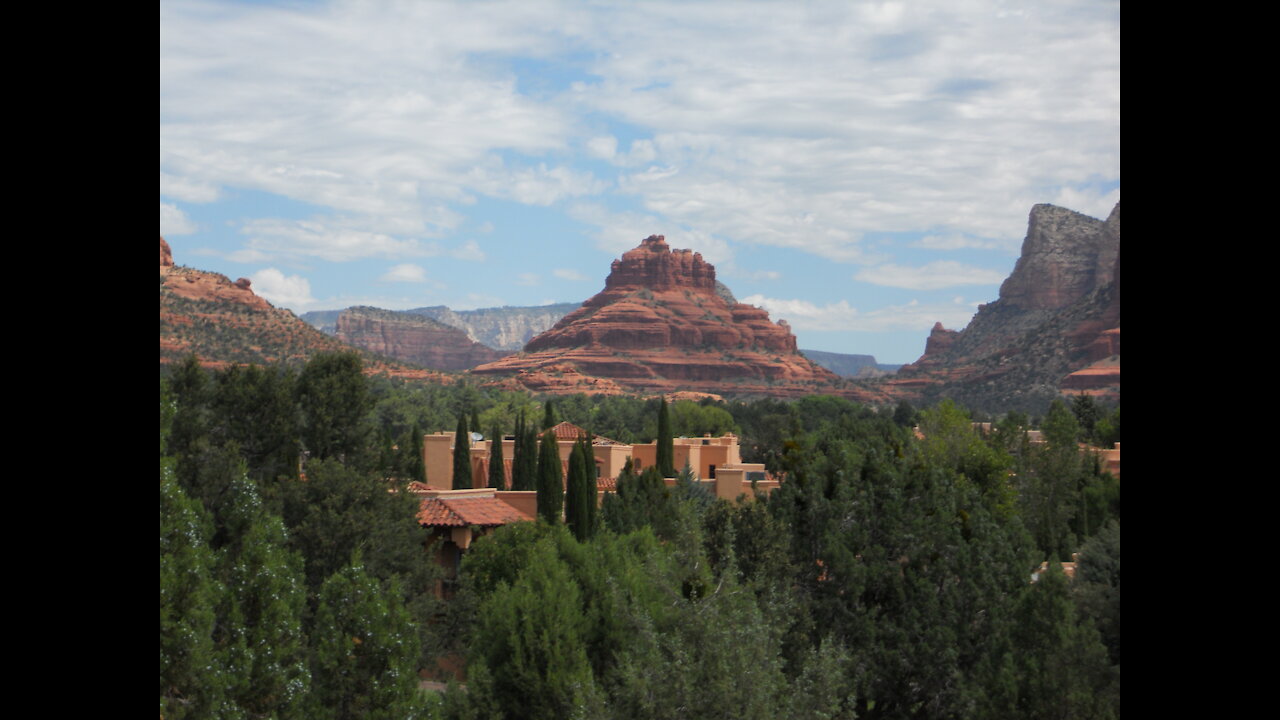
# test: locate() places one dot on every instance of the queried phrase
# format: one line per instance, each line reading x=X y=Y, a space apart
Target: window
x=713 y=472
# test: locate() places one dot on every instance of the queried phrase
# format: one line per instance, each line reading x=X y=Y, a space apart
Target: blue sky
x=861 y=169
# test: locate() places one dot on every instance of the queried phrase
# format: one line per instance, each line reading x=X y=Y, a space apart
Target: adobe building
x=716 y=462
x=455 y=518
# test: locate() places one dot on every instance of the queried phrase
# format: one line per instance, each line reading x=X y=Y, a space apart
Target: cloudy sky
x=861 y=169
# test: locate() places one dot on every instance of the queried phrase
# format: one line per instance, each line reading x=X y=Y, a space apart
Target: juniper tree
x=364 y=649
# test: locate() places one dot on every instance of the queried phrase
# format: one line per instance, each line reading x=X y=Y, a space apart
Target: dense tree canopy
x=887 y=577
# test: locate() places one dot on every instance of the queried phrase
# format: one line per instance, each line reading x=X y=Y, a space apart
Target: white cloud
x=173 y=221
x=840 y=316
x=603 y=147
x=186 y=189
x=957 y=241
x=803 y=126
x=293 y=291
x=469 y=250
x=933 y=276
x=568 y=274
x=406 y=273
x=529 y=279
x=335 y=240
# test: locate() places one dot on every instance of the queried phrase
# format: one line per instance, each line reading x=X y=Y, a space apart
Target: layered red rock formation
x=1058 y=312
x=199 y=285
x=224 y=323
x=412 y=338
x=660 y=324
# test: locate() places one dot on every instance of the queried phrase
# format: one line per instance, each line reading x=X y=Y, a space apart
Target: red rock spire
x=655 y=266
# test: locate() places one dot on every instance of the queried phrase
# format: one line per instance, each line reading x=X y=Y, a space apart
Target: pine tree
x=666 y=449
x=550 y=479
x=461 y=456
x=517 y=455
x=497 y=477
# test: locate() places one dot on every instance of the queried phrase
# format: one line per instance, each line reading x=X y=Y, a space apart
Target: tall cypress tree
x=529 y=459
x=577 y=514
x=549 y=418
x=497 y=478
x=517 y=455
x=461 y=456
x=550 y=479
x=591 y=509
x=666 y=451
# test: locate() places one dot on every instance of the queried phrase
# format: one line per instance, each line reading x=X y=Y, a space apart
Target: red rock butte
x=659 y=324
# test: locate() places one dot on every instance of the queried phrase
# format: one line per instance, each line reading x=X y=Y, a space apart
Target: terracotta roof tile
x=484 y=511
x=434 y=513
x=568 y=431
x=460 y=512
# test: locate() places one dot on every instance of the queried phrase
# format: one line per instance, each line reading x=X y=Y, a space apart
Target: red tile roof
x=461 y=512
x=568 y=431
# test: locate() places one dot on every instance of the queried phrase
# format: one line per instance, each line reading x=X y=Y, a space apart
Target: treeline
x=284 y=595
x=887 y=577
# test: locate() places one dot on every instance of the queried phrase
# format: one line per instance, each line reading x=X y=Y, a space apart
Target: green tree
x=950 y=441
x=254 y=407
x=412 y=467
x=549 y=417
x=497 y=473
x=1086 y=412
x=461 y=456
x=333 y=397
x=580 y=495
x=550 y=479
x=666 y=449
x=338 y=510
x=263 y=623
x=638 y=502
x=904 y=415
x=364 y=649
x=529 y=636
x=192 y=680
x=1051 y=483
x=1061 y=666
x=1096 y=586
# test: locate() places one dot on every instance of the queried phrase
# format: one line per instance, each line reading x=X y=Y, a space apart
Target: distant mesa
x=662 y=323
x=412 y=338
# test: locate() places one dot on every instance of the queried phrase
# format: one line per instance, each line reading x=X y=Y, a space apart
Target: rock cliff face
x=660 y=324
x=501 y=328
x=224 y=323
x=1058 y=312
x=847 y=365
x=411 y=338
